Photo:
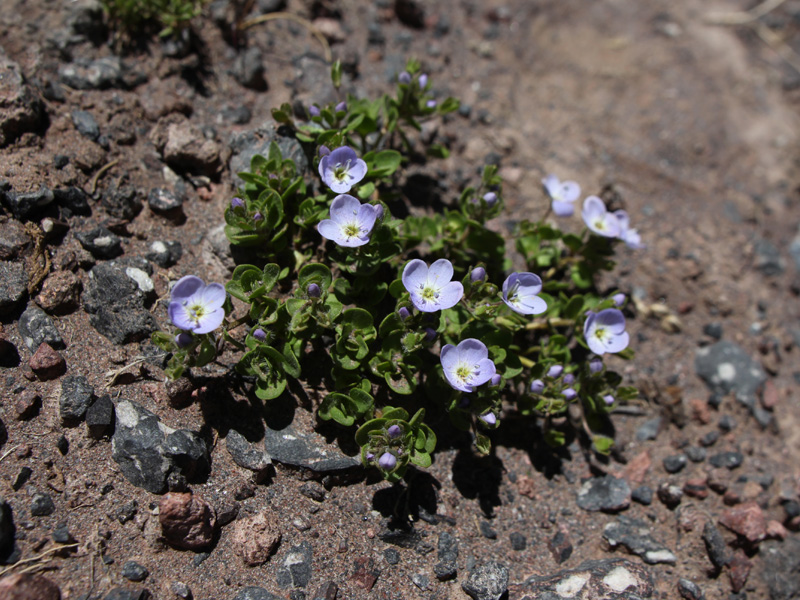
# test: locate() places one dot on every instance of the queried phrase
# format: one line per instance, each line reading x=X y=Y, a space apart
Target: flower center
x=429 y=294
x=341 y=171
x=464 y=373
x=600 y=224
x=351 y=230
x=601 y=334
x=196 y=312
x=513 y=293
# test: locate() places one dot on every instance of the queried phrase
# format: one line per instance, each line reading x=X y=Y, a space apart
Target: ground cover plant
x=409 y=315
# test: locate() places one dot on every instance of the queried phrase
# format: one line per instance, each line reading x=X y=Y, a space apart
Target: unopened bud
x=489 y=419
x=490 y=198
x=568 y=379
x=555 y=371
x=323 y=151
x=495 y=380
x=237 y=203
x=394 y=432
x=183 y=339
x=478 y=274
x=423 y=81
x=537 y=386
x=619 y=299
x=313 y=110
x=430 y=335
x=341 y=106
x=431 y=104
x=569 y=394
x=387 y=461
x=259 y=334
x=404 y=313
x=595 y=365
x=609 y=399
x=258 y=217
x=404 y=77
x=313 y=290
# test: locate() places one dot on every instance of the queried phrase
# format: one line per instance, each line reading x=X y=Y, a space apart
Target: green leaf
x=602 y=444
x=338 y=407
x=336 y=74
x=385 y=163
x=314 y=273
x=483 y=443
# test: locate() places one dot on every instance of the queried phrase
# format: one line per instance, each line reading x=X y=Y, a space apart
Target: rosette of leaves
x=346 y=408
x=354 y=332
x=414 y=444
x=309 y=315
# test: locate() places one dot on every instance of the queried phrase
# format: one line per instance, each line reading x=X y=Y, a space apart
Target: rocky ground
x=115 y=168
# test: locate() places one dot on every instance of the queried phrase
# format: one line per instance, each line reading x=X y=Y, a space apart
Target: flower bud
x=431 y=104
x=489 y=419
x=555 y=371
x=595 y=365
x=568 y=379
x=394 y=432
x=478 y=274
x=387 y=461
x=378 y=212
x=619 y=299
x=313 y=290
x=404 y=77
x=490 y=198
x=259 y=334
x=423 y=81
x=569 y=394
x=404 y=313
x=430 y=335
x=341 y=106
x=370 y=456
x=609 y=399
x=323 y=151
x=495 y=380
x=183 y=339
x=237 y=203
x=537 y=386
x=313 y=110
x=258 y=217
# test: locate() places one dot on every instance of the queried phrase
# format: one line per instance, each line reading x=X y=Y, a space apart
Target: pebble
x=739 y=570
x=46 y=363
x=649 y=429
x=634 y=535
x=560 y=546
x=487 y=531
x=185 y=148
x=164 y=253
x=133 y=571
x=22 y=586
x=62 y=535
x=22 y=478
x=726 y=423
x=187 y=521
x=28 y=205
x=61 y=293
x=313 y=490
x=518 y=542
x=23 y=109
x=181 y=590
x=713 y=330
x=14 y=240
x=327 y=591
x=696 y=487
x=746 y=520
x=364 y=575
x=308 y=450
x=606 y=493
x=42 y=505
x=391 y=556
x=768 y=258
x=86 y=124
x=162 y=200
x=719 y=479
x=487 y=581
x=13 y=286
x=696 y=454
x=728 y=460
x=715 y=546
x=690 y=590
x=246 y=454
x=101 y=242
x=100 y=417
x=73 y=199
x=256 y=538
x=675 y=463
x=295 y=569
x=421 y=581
x=36 y=327
x=643 y=495
x=591 y=580
x=248 y=69
x=255 y=593
x=710 y=438
x=121 y=201
x=669 y=494
x=76 y=397
x=127 y=594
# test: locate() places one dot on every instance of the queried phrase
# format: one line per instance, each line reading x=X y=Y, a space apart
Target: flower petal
x=563 y=209
x=618 y=342
x=341 y=155
x=623 y=219
x=213 y=296
x=440 y=272
x=179 y=317
x=367 y=215
x=612 y=319
x=330 y=230
x=595 y=345
x=530 y=282
x=472 y=351
x=450 y=295
x=532 y=305
x=210 y=321
x=593 y=207
x=323 y=167
x=486 y=370
x=570 y=191
x=358 y=170
x=551 y=185
x=415 y=275
x=449 y=357
x=186 y=287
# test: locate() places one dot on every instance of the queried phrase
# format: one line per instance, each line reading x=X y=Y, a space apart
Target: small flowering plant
x=335 y=291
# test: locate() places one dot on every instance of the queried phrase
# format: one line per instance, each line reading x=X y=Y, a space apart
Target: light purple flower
x=423 y=81
x=313 y=290
x=477 y=274
x=431 y=104
x=563 y=195
x=630 y=236
x=370 y=456
x=595 y=365
x=258 y=217
x=598 y=219
x=569 y=394
x=555 y=371
x=568 y=379
x=619 y=299
x=387 y=461
x=537 y=386
x=605 y=331
x=430 y=287
x=404 y=77
x=489 y=418
x=467 y=365
x=323 y=151
x=404 y=313
x=609 y=399
x=260 y=334
x=519 y=293
x=237 y=203
x=430 y=335
x=351 y=222
x=341 y=106
x=394 y=431
x=495 y=380
x=195 y=306
x=490 y=198
x=184 y=339
x=313 y=110
x=342 y=169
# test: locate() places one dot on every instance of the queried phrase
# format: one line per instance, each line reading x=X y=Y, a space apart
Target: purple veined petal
x=329 y=230
x=323 y=163
x=486 y=370
x=617 y=343
x=344 y=208
x=450 y=295
x=588 y=325
x=563 y=209
x=570 y=191
x=534 y=305
x=472 y=351
x=449 y=357
x=259 y=334
x=551 y=185
x=632 y=238
x=440 y=272
x=595 y=345
x=358 y=169
x=340 y=187
x=210 y=321
x=611 y=318
x=597 y=219
x=508 y=284
x=531 y=282
x=341 y=155
x=367 y=215
x=489 y=418
x=415 y=275
x=179 y=317
x=186 y=287
x=623 y=219
x=213 y=296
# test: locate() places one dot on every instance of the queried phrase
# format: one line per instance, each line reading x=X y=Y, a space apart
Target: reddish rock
x=526 y=487
x=769 y=395
x=746 y=520
x=696 y=487
x=739 y=493
x=46 y=363
x=700 y=410
x=179 y=392
x=28 y=587
x=776 y=530
x=637 y=468
x=738 y=570
x=365 y=575
x=187 y=521
x=61 y=293
x=255 y=538
x=27 y=405
x=719 y=479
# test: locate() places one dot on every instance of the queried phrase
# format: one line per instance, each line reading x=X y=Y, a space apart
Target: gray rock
x=76 y=397
x=62 y=535
x=185 y=148
x=116 y=299
x=696 y=454
x=794 y=250
x=649 y=429
x=100 y=417
x=162 y=200
x=728 y=460
x=248 y=69
x=7 y=530
x=21 y=108
x=42 y=505
x=85 y=18
x=391 y=556
x=607 y=578
x=86 y=124
x=690 y=590
x=181 y=590
x=121 y=201
x=74 y=199
x=518 y=541
x=147 y=451
x=133 y=571
x=725 y=367
x=715 y=546
x=27 y=205
x=164 y=254
x=634 y=535
x=605 y=493
x=99 y=74
x=255 y=593
x=13 y=240
x=246 y=145
x=101 y=242
x=307 y=450
x=246 y=454
x=768 y=258
x=13 y=285
x=487 y=582
x=295 y=569
x=675 y=463
x=35 y=327
x=780 y=568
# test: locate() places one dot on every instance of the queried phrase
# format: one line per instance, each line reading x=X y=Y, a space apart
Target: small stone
x=746 y=520
x=101 y=242
x=643 y=495
x=42 y=505
x=649 y=429
x=127 y=511
x=22 y=586
x=605 y=493
x=63 y=445
x=46 y=363
x=255 y=593
x=181 y=590
x=364 y=575
x=391 y=556
x=313 y=490
x=179 y=391
x=445 y=571
x=86 y=124
x=100 y=417
x=637 y=468
x=122 y=202
x=690 y=590
x=255 y=538
x=22 y=478
x=295 y=569
x=161 y=200
x=487 y=582
x=165 y=253
x=327 y=591
x=14 y=240
x=7 y=530
x=133 y=571
x=726 y=367
x=739 y=570
x=76 y=397
x=634 y=535
x=726 y=423
x=187 y=521
x=62 y=535
x=13 y=285
x=245 y=454
x=560 y=546
x=719 y=479
x=710 y=438
x=248 y=69
x=306 y=450
x=421 y=581
x=518 y=542
x=487 y=531
x=669 y=494
x=696 y=454
x=36 y=327
x=776 y=530
x=713 y=330
x=27 y=405
x=675 y=463
x=728 y=460
x=27 y=205
x=696 y=487
x=715 y=546
x=60 y=293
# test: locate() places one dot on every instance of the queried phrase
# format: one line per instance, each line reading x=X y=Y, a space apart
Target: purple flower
x=341 y=106
x=313 y=110
x=490 y=198
x=259 y=334
x=351 y=222
x=598 y=219
x=519 y=293
x=183 y=339
x=431 y=104
x=370 y=456
x=630 y=236
x=467 y=365
x=387 y=461
x=477 y=274
x=430 y=287
x=237 y=203
x=195 y=306
x=404 y=77
x=555 y=371
x=609 y=399
x=495 y=380
x=404 y=313
x=619 y=299
x=569 y=394
x=537 y=386
x=595 y=365
x=313 y=290
x=489 y=418
x=563 y=195
x=257 y=217
x=323 y=151
x=394 y=431
x=605 y=331
x=342 y=169
x=423 y=81
x=568 y=379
